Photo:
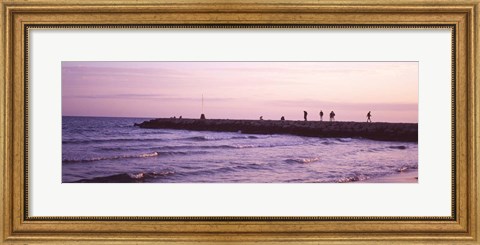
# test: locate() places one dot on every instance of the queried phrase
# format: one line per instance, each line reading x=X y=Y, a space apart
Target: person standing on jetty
x=332 y=116
x=321 y=115
x=305 y=115
x=369 y=115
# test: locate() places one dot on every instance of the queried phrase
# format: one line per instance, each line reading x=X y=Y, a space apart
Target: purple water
x=102 y=150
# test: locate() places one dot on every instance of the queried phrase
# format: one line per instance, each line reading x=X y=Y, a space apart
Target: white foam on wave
x=352 y=179
x=154 y=154
x=309 y=160
x=137 y=176
x=244 y=146
x=153 y=174
x=304 y=160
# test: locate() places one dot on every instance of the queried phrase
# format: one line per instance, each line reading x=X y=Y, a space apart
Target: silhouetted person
x=321 y=115
x=261 y=117
x=369 y=115
x=332 y=116
x=282 y=118
x=180 y=117
x=202 y=117
x=305 y=115
x=174 y=117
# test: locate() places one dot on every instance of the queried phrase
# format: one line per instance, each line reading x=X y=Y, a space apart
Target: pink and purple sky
x=242 y=90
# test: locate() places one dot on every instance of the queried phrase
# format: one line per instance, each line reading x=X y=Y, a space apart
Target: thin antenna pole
x=202 y=103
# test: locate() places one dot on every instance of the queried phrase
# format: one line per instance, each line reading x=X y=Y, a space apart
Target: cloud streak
x=344 y=105
x=147 y=97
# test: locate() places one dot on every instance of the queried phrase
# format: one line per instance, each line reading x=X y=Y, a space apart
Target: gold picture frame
x=18 y=16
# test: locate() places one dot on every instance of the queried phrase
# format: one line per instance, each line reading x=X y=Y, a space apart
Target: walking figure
x=321 y=115
x=369 y=115
x=305 y=115
x=332 y=116
x=282 y=118
x=261 y=117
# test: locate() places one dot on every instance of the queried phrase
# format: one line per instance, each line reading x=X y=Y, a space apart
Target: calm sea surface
x=113 y=150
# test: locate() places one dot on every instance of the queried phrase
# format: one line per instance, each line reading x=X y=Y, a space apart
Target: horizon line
x=230 y=119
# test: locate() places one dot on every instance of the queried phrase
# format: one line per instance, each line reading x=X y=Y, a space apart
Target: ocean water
x=112 y=150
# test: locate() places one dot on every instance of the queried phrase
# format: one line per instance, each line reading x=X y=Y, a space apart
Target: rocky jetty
x=375 y=131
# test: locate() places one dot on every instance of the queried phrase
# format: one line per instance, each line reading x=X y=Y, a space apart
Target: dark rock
x=375 y=131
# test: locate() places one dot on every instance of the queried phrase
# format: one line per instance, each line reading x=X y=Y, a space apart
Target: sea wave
x=136 y=139
x=200 y=146
x=128 y=177
x=211 y=171
x=110 y=140
x=144 y=155
x=210 y=138
x=362 y=177
x=245 y=137
x=152 y=154
x=399 y=147
x=343 y=139
x=234 y=167
x=353 y=178
x=153 y=131
x=328 y=143
x=199 y=138
x=302 y=160
x=406 y=168
x=385 y=148
x=252 y=166
x=243 y=146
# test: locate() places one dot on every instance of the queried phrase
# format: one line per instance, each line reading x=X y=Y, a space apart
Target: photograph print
x=239 y=122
